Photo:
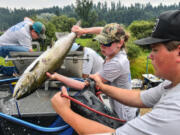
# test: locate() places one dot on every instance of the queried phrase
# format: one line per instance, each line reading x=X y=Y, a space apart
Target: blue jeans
x=8 y=71
x=4 y=51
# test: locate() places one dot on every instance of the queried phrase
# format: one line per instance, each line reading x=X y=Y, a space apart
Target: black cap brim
x=150 y=41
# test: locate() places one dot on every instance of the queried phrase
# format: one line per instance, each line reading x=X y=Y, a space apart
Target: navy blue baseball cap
x=167 y=28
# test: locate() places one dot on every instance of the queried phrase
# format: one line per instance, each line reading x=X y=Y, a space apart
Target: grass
x=139 y=65
x=83 y=42
x=4 y=63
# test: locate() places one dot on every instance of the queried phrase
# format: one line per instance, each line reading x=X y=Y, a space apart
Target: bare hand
x=78 y=30
x=52 y=76
x=59 y=103
x=30 y=50
x=98 y=80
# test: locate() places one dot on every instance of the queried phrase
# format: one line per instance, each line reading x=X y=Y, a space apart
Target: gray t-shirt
x=117 y=73
x=95 y=62
x=18 y=34
x=164 y=119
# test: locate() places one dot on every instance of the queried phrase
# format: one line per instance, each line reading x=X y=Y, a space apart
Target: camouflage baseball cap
x=110 y=33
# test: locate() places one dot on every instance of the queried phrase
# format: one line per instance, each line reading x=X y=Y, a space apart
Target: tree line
x=93 y=14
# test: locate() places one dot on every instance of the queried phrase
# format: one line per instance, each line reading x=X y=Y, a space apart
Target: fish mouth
x=19 y=94
x=16 y=94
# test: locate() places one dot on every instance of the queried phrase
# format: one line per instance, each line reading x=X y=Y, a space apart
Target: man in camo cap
x=116 y=68
x=115 y=71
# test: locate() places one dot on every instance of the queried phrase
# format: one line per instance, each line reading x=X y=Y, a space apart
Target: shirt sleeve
x=151 y=96
x=137 y=126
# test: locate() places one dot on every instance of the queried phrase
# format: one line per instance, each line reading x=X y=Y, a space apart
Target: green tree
x=45 y=16
x=50 y=33
x=63 y=23
x=54 y=24
x=84 y=11
x=141 y=29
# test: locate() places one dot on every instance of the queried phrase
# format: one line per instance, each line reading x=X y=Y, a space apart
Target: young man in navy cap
x=18 y=38
x=164 y=119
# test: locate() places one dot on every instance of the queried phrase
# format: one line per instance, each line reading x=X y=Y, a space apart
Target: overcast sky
x=37 y=4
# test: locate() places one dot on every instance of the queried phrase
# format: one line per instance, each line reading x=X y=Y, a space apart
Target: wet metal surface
x=36 y=104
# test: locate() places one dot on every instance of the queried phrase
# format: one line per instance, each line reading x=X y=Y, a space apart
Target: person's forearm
x=93 y=30
x=83 y=125
x=71 y=82
x=127 y=97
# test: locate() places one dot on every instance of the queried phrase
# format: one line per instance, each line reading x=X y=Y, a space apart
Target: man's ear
x=121 y=43
x=178 y=50
x=178 y=53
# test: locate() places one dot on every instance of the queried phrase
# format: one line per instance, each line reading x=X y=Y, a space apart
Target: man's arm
x=66 y=80
x=80 y=124
x=127 y=97
x=80 y=31
x=93 y=30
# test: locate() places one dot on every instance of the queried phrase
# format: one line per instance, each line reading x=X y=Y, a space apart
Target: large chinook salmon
x=35 y=74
